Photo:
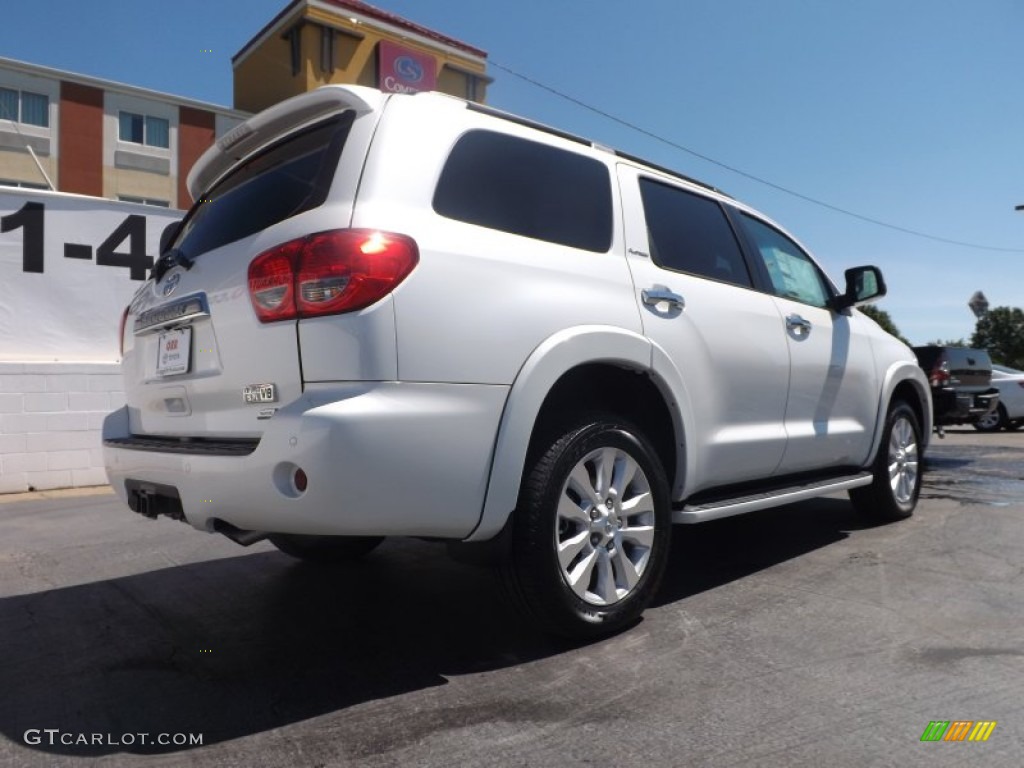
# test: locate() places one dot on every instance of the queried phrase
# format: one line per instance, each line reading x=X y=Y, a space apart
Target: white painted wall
x=50 y=420
x=60 y=371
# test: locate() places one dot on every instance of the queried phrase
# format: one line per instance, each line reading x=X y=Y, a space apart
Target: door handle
x=798 y=324
x=654 y=296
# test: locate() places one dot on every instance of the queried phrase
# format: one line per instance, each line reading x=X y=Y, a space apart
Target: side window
x=527 y=188
x=690 y=233
x=793 y=274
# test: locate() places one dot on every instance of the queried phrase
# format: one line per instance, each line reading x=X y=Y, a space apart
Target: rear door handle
x=796 y=323
x=654 y=296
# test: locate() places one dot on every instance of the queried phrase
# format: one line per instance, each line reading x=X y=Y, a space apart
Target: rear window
x=527 y=188
x=690 y=233
x=286 y=179
x=959 y=358
x=927 y=356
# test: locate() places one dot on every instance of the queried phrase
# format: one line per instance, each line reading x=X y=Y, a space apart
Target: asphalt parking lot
x=792 y=637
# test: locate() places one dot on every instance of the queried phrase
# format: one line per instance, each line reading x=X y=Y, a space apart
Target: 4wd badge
x=260 y=393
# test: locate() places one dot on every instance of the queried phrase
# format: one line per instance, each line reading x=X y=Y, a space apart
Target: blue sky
x=906 y=111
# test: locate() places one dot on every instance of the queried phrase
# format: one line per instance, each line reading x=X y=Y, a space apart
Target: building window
x=144 y=201
x=8 y=104
x=22 y=184
x=158 y=132
x=143 y=129
x=327 y=49
x=294 y=38
x=25 y=107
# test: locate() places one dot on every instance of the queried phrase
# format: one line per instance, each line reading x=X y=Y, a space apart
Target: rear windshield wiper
x=170 y=259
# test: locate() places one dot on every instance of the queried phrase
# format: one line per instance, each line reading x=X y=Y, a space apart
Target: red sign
x=401 y=70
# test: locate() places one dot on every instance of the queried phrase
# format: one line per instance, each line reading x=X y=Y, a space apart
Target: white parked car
x=409 y=315
x=1009 y=414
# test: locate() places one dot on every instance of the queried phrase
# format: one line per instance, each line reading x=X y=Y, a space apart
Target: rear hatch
x=963 y=369
x=198 y=360
x=970 y=370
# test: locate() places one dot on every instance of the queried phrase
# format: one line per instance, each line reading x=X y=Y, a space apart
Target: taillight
x=272 y=282
x=120 y=330
x=940 y=375
x=329 y=273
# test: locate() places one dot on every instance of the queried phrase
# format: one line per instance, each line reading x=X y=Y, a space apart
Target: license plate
x=174 y=352
x=259 y=393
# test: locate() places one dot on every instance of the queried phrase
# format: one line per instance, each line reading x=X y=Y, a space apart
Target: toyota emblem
x=170 y=284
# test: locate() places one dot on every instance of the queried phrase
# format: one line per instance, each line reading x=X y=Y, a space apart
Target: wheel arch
x=904 y=381
x=574 y=371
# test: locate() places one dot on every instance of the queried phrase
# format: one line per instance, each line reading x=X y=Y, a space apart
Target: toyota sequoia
x=410 y=315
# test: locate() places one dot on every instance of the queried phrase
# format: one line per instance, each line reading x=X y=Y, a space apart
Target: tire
x=896 y=485
x=993 y=421
x=588 y=553
x=325 y=549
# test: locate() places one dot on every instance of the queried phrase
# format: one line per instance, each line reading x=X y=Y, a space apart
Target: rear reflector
x=329 y=273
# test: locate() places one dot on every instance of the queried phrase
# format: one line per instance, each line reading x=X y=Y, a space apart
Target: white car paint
x=1010 y=383
x=414 y=415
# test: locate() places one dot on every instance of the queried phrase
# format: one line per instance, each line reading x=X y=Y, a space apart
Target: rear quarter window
x=527 y=188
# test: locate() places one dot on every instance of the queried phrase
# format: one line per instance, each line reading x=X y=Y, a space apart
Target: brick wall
x=81 y=139
x=196 y=132
x=51 y=415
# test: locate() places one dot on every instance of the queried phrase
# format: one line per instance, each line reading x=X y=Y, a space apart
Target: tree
x=1001 y=332
x=882 y=317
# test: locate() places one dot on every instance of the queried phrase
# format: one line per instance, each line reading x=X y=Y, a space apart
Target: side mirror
x=863 y=284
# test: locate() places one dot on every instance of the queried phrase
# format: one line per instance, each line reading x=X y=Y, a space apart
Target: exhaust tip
x=237 y=535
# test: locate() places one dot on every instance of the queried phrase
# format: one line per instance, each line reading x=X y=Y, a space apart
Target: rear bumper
x=953 y=407
x=382 y=458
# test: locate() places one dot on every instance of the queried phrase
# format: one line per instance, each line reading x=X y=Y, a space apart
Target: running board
x=712 y=510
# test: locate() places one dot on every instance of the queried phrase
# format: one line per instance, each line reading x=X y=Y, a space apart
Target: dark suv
x=961 y=381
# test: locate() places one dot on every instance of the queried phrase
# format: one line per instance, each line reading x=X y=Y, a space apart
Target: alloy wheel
x=606 y=526
x=903 y=461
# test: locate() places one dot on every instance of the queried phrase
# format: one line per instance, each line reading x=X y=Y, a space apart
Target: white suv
x=409 y=315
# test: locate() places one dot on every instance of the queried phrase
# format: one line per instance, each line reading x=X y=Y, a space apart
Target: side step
x=712 y=510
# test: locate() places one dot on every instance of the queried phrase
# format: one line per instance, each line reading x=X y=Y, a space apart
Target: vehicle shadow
x=242 y=645
x=714 y=553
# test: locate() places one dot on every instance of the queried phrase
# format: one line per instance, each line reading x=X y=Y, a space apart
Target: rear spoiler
x=269 y=125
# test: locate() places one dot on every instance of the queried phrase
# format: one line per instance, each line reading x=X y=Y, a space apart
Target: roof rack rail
x=477 y=107
x=670 y=172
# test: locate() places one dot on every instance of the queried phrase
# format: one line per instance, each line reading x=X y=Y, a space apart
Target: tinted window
x=529 y=189
x=927 y=356
x=285 y=180
x=792 y=273
x=690 y=233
